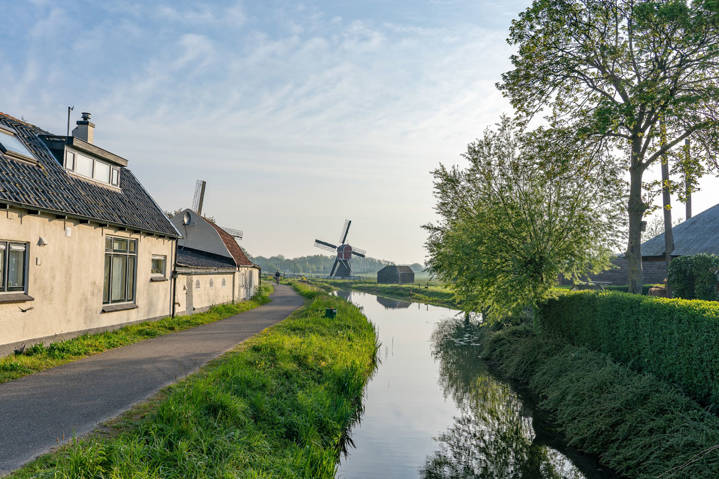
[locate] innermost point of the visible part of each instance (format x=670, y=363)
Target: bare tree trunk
x=636, y=209
x=667, y=207
x=687, y=187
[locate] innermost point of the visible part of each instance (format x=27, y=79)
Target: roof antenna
x=69, y=109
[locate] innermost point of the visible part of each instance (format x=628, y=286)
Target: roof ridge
x=21, y=121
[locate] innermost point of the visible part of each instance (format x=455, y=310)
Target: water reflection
x=492, y=436
x=393, y=303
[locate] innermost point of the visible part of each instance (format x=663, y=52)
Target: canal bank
x=432, y=409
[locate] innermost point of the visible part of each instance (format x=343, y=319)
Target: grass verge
x=39, y=357
x=417, y=293
x=278, y=406
x=634, y=423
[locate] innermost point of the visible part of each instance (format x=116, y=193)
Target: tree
x=529, y=207
x=615, y=68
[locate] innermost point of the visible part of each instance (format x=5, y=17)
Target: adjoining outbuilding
x=395, y=274
x=211, y=267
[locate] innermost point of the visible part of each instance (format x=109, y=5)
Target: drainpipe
x=173, y=296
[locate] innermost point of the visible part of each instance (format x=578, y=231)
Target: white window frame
x=110, y=253
x=162, y=257
x=114, y=173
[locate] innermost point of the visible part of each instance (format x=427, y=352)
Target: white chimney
x=85, y=129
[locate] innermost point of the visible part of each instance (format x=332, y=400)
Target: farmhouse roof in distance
x=698, y=234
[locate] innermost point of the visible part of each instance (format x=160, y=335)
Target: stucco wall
x=211, y=291
x=198, y=292
x=65, y=278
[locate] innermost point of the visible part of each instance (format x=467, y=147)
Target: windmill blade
x=334, y=267
x=345, y=230
x=358, y=252
x=237, y=234
x=199, y=197
x=325, y=245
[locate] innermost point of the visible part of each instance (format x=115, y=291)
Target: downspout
x=174, y=280
x=234, y=275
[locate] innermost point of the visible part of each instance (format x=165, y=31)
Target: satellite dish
x=186, y=218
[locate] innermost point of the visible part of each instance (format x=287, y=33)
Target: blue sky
x=298, y=114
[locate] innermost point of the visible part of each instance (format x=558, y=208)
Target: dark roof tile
x=47, y=186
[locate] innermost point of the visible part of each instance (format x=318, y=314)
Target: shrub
x=694, y=277
x=675, y=339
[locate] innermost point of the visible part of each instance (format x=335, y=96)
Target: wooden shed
x=395, y=274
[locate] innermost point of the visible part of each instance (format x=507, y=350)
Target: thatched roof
x=699, y=234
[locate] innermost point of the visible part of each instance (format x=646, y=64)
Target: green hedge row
x=694, y=277
x=675, y=339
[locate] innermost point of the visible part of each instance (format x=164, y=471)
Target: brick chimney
x=85, y=129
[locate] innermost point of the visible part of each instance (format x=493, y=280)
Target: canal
x=432, y=410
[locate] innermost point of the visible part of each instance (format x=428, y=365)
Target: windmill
x=341, y=267
x=199, y=199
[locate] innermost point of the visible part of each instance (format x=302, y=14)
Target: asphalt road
x=43, y=410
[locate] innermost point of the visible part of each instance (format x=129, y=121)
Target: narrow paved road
x=40, y=411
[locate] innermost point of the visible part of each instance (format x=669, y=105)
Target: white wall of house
x=198, y=291
x=65, y=278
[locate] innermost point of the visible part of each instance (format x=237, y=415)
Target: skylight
x=10, y=143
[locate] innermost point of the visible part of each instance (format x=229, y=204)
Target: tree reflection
x=493, y=436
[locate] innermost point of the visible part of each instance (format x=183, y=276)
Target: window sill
x=15, y=298
x=155, y=279
x=111, y=308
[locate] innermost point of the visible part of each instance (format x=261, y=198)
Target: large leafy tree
x=617, y=68
x=530, y=206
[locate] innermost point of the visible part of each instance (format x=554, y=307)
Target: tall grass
x=635, y=423
x=279, y=406
x=38, y=357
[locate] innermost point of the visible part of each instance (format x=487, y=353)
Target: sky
x=297, y=114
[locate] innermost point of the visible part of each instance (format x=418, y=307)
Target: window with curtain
x=120, y=270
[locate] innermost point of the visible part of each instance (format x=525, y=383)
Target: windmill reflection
x=493, y=436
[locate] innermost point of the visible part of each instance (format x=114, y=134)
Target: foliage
x=38, y=357
x=636, y=424
x=694, y=277
x=674, y=339
x=321, y=264
x=529, y=207
x=614, y=70
x=277, y=407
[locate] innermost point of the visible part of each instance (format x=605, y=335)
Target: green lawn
x=278, y=406
x=39, y=357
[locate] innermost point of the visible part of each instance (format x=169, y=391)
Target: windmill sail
x=325, y=246
x=345, y=231
x=199, y=197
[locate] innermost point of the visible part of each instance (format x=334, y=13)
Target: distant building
x=211, y=267
x=394, y=274
x=698, y=234
x=83, y=246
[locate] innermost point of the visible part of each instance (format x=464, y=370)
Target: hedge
x=674, y=339
x=694, y=277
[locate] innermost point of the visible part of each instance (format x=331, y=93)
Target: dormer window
x=11, y=145
x=92, y=168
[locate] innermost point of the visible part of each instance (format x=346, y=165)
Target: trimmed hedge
x=694, y=277
x=675, y=339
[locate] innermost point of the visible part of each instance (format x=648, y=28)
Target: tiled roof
x=398, y=268
x=698, y=234
x=237, y=253
x=47, y=186
x=193, y=258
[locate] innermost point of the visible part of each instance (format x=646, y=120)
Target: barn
x=395, y=274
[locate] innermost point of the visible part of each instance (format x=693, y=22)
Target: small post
x=69, y=109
